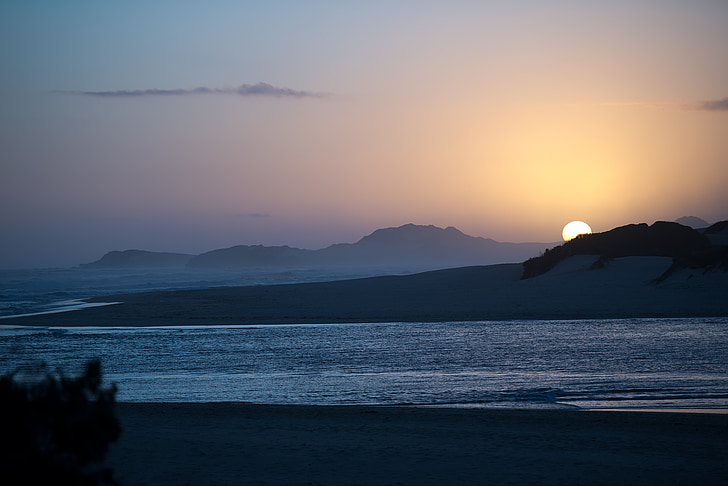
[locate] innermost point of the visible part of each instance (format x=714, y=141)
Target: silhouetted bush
x=56, y=430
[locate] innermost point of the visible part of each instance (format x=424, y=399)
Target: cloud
x=716, y=105
x=642, y=104
x=258, y=89
x=712, y=105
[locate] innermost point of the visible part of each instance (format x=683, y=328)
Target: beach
x=258, y=444
x=227, y=443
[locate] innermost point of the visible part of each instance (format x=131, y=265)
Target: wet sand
x=226, y=444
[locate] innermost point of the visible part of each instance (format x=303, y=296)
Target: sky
x=190, y=126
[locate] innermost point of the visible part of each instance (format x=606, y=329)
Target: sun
x=574, y=229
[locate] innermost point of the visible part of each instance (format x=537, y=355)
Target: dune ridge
x=574, y=289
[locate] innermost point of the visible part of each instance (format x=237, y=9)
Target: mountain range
x=418, y=248
x=414, y=246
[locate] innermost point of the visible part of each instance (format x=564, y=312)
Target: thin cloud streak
x=642, y=104
x=717, y=105
x=258, y=89
x=711, y=105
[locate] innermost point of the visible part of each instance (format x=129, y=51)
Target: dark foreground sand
x=206, y=444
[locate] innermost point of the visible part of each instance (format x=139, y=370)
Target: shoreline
x=72, y=305
x=230, y=443
x=717, y=411
x=475, y=407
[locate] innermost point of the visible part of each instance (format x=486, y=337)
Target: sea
x=645, y=363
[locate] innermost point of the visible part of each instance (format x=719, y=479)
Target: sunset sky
x=189, y=126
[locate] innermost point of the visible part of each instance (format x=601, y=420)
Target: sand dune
x=623, y=288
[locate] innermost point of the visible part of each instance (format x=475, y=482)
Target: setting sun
x=574, y=229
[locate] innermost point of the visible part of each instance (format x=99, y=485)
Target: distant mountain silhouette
x=693, y=221
x=139, y=258
x=431, y=246
x=687, y=247
x=409, y=246
x=245, y=256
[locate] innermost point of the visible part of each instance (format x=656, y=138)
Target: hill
x=139, y=258
x=245, y=256
x=687, y=247
x=427, y=246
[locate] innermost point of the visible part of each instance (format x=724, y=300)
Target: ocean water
x=635, y=363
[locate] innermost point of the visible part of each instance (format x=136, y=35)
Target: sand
x=206, y=444
x=625, y=288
